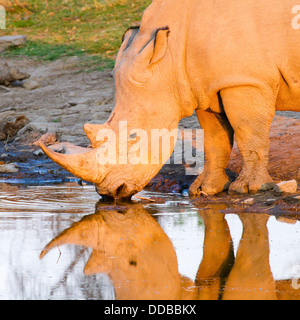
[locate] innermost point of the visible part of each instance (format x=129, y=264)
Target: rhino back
x=233, y=43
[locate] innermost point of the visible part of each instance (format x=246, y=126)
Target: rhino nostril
x=120, y=190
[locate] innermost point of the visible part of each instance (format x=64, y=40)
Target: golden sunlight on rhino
x=222, y=60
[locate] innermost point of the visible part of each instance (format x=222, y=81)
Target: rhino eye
x=132, y=136
x=133, y=263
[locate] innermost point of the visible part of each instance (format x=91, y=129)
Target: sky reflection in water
x=171, y=250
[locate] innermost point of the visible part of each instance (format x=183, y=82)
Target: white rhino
x=233, y=62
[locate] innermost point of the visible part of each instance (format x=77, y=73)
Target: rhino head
x=146, y=99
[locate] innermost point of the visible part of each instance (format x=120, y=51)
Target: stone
x=8, y=74
x=288, y=220
x=11, y=41
x=10, y=129
x=9, y=168
x=30, y=84
x=270, y=201
x=286, y=186
x=39, y=126
x=48, y=138
x=248, y=201
x=38, y=152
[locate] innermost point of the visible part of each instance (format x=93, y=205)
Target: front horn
x=82, y=165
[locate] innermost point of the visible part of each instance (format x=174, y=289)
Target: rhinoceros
x=232, y=62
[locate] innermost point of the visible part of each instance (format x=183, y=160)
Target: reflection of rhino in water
x=233, y=62
x=131, y=247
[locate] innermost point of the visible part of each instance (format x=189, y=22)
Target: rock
x=288, y=220
x=11, y=41
x=38, y=152
x=248, y=201
x=8, y=75
x=286, y=186
x=10, y=129
x=298, y=175
x=40, y=127
x=30, y=84
x=4, y=89
x=270, y=201
x=2, y=135
x=47, y=139
x=8, y=168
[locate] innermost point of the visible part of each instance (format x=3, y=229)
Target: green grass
x=44, y=50
x=57, y=28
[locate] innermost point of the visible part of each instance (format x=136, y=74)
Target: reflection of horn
x=129, y=246
x=83, y=165
x=84, y=232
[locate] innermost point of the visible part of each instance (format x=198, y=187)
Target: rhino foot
x=254, y=184
x=210, y=185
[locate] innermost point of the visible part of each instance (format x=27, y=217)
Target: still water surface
x=166, y=250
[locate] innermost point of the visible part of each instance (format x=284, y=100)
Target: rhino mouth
x=120, y=190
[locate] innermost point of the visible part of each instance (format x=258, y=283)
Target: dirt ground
x=67, y=97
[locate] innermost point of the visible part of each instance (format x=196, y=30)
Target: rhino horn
x=82, y=165
x=92, y=130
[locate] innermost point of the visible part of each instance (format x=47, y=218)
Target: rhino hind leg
x=250, y=112
x=218, y=140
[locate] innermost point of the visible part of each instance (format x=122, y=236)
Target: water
x=165, y=250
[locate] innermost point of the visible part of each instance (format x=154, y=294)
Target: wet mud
x=33, y=169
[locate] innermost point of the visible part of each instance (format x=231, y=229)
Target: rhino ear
x=155, y=50
x=127, y=39
x=130, y=34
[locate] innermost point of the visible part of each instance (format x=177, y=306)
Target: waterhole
x=60, y=242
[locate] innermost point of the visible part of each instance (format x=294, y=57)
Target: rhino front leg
x=218, y=140
x=250, y=111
